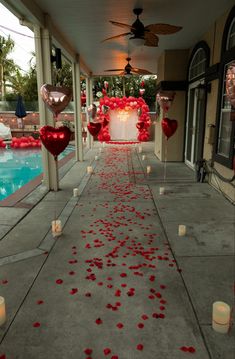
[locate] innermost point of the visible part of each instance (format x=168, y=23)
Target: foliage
x=7, y=65
x=63, y=76
x=132, y=86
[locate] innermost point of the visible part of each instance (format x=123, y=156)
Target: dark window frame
x=226, y=57
x=200, y=45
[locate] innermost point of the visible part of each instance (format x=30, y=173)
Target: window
x=198, y=64
x=224, y=150
x=231, y=37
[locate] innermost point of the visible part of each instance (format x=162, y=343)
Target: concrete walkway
x=119, y=283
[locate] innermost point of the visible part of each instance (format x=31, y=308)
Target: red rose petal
x=155, y=315
x=71, y=272
x=140, y=325
x=88, y=294
x=4, y=281
x=184, y=349
x=99, y=321
x=59, y=281
x=191, y=349
x=3, y=356
x=112, y=357
x=40, y=301
x=144, y=317
x=140, y=347
x=120, y=325
x=36, y=324
x=123, y=275
x=73, y=291
x=107, y=351
x=88, y=351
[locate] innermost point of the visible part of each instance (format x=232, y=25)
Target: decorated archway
x=130, y=114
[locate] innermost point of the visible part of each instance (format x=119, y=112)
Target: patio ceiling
x=85, y=23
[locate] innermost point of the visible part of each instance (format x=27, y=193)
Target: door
x=195, y=124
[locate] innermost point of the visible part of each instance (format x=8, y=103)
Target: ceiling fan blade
x=140, y=71
x=120, y=24
x=114, y=70
x=117, y=36
x=151, y=39
x=163, y=29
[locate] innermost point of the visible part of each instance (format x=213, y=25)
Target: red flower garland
x=124, y=103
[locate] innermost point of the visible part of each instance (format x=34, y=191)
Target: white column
x=77, y=110
x=43, y=63
x=89, y=96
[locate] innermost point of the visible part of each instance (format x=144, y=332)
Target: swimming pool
x=18, y=167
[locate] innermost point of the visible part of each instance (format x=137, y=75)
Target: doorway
x=195, y=123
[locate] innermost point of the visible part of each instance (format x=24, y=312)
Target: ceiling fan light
x=137, y=41
x=128, y=75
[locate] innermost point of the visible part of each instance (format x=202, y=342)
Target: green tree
x=131, y=86
x=7, y=65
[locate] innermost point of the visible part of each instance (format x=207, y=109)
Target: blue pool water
x=18, y=167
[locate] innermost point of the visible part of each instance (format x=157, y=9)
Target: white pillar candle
x=143, y=157
x=2, y=311
x=148, y=169
x=75, y=192
x=56, y=228
x=221, y=314
x=103, y=144
x=181, y=230
x=100, y=149
x=89, y=169
x=96, y=158
x=161, y=190
x=140, y=149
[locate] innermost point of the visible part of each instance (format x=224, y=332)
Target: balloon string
x=165, y=158
x=55, y=191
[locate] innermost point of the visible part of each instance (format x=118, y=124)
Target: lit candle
x=96, y=158
x=75, y=192
x=140, y=149
x=161, y=190
x=89, y=169
x=2, y=311
x=103, y=144
x=221, y=314
x=182, y=230
x=56, y=228
x=143, y=157
x=100, y=149
x=148, y=169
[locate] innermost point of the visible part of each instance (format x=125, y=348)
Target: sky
x=23, y=45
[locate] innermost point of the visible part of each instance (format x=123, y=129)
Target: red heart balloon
x=55, y=139
x=140, y=125
x=56, y=98
x=94, y=128
x=169, y=126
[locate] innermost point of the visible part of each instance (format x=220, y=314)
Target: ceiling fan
x=128, y=70
x=144, y=35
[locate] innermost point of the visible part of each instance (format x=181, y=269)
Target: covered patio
x=145, y=250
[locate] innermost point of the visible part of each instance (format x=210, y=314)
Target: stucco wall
x=213, y=37
x=173, y=67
